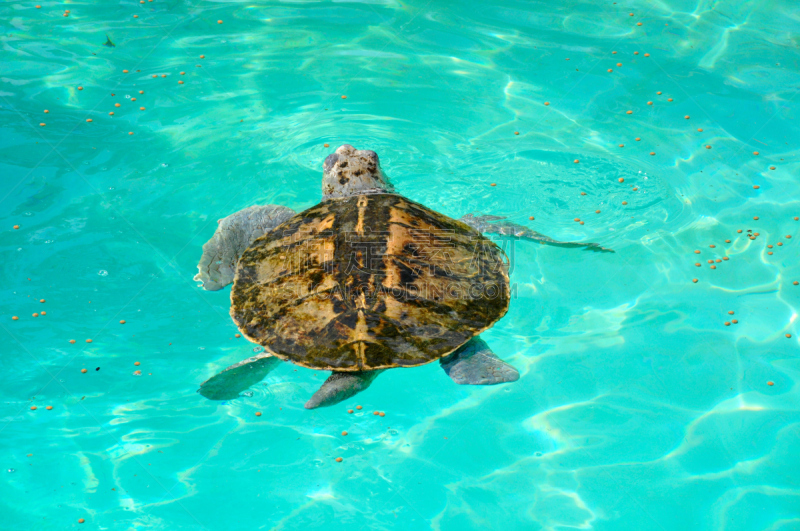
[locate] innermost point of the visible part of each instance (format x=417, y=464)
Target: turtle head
x=349, y=171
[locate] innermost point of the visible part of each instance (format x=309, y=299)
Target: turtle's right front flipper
x=475, y=364
x=238, y=377
x=486, y=225
x=234, y=234
x=341, y=386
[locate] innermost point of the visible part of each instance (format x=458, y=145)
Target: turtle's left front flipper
x=234, y=234
x=506, y=228
x=476, y=364
x=238, y=377
x=341, y=386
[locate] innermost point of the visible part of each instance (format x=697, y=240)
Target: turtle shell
x=368, y=282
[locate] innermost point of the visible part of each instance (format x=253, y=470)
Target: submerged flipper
x=235, y=234
x=476, y=364
x=238, y=377
x=506, y=228
x=341, y=386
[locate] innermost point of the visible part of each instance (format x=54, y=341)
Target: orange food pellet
x=647, y=55
x=577, y=219
x=697, y=251
x=111, y=113
x=88, y=119
x=694, y=280
x=624, y=202
x=713, y=267
x=669, y=99
x=712, y=246
x=88, y=340
x=344, y=97
x=628, y=112
x=137, y=373
x=42, y=124
x=700, y=129
x=72, y=341
x=755, y=152
x=795, y=283
x=344, y=433
x=83, y=371
x=652, y=152
x=770, y=383
x=180, y=82
x=547, y=103
x=659, y=93
x=796, y=218
x=81, y=520
x=727, y=241
x=33, y=408
x=163, y=75
x=382, y=414
x=124, y=71
x=730, y=312
x=772, y=167
x=637, y=139
x=698, y=264
x=219, y=22
x=638, y=23
x=49, y=408
x=358, y=407
x=619, y=64
x=727, y=323
x=137, y=363
x=36, y=315
x=375, y=413
x=141, y=108
x=493, y=184
x=16, y=227
x=788, y=235
x=610, y=70
x=649, y=102
x=755, y=218
x=788, y=335
x=117, y=105
x=258, y=413
x=338, y=459
x=238, y=335
x=756, y=187
x=130, y=133
x=38, y=7
x=621, y=179
x=326, y=145
x=622, y=145
x=576, y=161
x=135, y=16
x=182, y=73
x=516, y=132
x=350, y=411
x=708, y=147
x=583, y=193
x=635, y=53
x=686, y=117
x=734, y=321
x=596, y=211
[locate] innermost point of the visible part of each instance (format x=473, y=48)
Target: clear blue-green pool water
x=638, y=408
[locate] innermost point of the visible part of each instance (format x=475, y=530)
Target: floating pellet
x=516, y=132
x=88, y=340
x=576, y=161
x=84, y=371
x=621, y=179
x=547, y=103
x=72, y=341
x=770, y=383
x=628, y=112
x=258, y=413
x=350, y=411
x=694, y=280
x=338, y=459
x=755, y=153
x=358, y=407
x=344, y=433
x=48, y=408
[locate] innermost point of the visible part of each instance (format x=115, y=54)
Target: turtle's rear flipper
x=341, y=386
x=238, y=377
x=476, y=364
x=234, y=234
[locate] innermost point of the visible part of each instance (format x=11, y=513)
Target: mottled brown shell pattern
x=368, y=282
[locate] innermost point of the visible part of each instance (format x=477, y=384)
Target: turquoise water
x=637, y=407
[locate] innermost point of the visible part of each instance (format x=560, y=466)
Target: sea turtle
x=364, y=281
